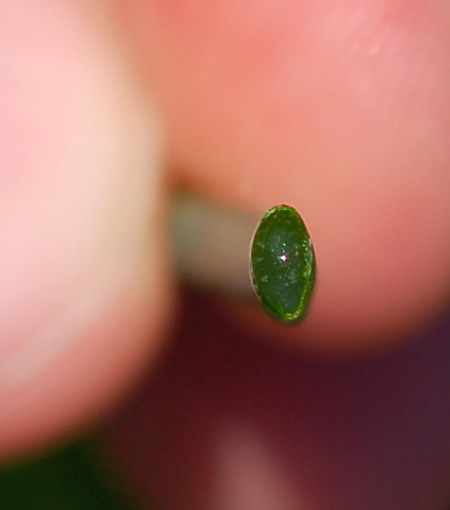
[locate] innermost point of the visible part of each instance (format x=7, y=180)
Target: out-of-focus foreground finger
x=83, y=292
x=340, y=109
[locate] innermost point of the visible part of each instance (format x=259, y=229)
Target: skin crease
x=341, y=109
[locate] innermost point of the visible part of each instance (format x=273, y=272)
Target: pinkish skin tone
x=79, y=192
x=340, y=108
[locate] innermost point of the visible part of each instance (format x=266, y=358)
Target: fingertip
x=340, y=110
x=85, y=274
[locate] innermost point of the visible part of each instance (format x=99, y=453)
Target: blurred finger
x=338, y=109
x=83, y=267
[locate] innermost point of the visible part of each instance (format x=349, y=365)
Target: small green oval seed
x=282, y=264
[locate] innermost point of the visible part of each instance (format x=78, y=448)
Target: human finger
x=339, y=109
x=83, y=268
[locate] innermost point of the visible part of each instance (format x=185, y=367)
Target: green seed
x=282, y=264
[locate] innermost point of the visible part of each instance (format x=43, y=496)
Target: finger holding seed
x=340, y=110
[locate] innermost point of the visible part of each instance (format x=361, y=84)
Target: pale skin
x=339, y=108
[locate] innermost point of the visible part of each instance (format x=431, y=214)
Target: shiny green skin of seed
x=283, y=264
